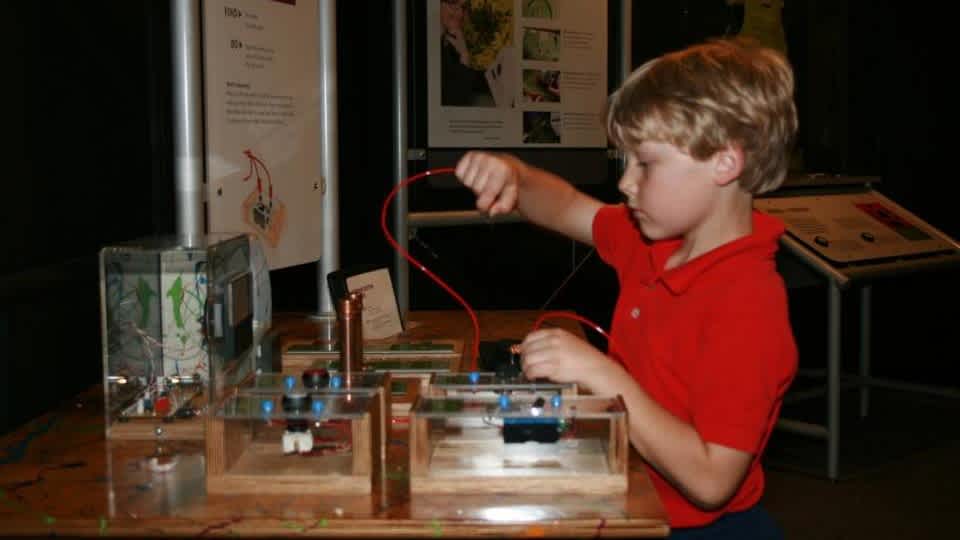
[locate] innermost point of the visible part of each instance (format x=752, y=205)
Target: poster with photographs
x=516, y=73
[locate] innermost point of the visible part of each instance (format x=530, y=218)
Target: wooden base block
x=478, y=462
x=585, y=485
x=263, y=469
x=140, y=429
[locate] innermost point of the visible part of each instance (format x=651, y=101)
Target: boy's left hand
x=560, y=356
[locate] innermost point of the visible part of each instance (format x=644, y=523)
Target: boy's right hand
x=494, y=178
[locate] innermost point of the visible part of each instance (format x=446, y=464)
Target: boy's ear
x=728, y=164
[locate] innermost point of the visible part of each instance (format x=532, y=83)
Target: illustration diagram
x=155, y=323
x=267, y=215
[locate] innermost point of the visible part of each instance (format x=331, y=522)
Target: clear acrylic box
x=325, y=443
x=172, y=318
x=379, y=383
x=519, y=443
x=490, y=384
x=411, y=364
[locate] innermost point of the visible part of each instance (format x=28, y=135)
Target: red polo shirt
x=710, y=341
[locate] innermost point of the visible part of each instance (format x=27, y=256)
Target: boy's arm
x=504, y=183
x=736, y=385
x=707, y=473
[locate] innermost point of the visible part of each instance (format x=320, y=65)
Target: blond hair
x=706, y=97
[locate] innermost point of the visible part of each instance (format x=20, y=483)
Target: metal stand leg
x=833, y=382
x=865, y=293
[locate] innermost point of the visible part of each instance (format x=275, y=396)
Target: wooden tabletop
x=58, y=475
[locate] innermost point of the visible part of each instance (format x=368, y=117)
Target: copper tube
x=350, y=335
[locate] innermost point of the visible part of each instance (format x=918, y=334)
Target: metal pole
x=188, y=144
x=447, y=218
x=626, y=39
x=865, y=308
x=329, y=152
x=803, y=428
x=400, y=154
x=833, y=381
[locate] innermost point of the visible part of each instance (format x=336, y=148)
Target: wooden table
x=59, y=475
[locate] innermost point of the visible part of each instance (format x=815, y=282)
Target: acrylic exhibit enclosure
x=176, y=320
x=411, y=364
x=518, y=444
x=295, y=441
x=322, y=380
x=489, y=384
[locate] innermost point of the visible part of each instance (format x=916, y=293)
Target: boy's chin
x=649, y=231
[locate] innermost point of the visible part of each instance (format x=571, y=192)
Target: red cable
x=424, y=269
x=566, y=315
x=473, y=317
x=254, y=161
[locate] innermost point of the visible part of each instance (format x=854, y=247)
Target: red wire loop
x=614, y=348
x=475, y=352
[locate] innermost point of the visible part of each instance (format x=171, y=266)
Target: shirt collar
x=761, y=244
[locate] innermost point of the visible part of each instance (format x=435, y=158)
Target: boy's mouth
x=635, y=211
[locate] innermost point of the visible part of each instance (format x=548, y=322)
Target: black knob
x=315, y=378
x=295, y=402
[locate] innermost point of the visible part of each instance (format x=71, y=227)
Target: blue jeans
x=752, y=524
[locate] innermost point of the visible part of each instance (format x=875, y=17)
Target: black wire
x=567, y=279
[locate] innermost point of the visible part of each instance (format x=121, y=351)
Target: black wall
x=82, y=171
x=88, y=163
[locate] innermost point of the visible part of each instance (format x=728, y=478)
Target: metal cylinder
x=400, y=120
x=188, y=152
x=329, y=152
x=350, y=335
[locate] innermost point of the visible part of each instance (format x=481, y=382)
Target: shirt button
x=635, y=313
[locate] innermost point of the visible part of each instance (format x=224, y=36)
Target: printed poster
x=516, y=73
x=261, y=64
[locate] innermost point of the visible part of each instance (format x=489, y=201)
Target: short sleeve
x=616, y=237
x=747, y=361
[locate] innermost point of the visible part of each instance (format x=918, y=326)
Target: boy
x=701, y=322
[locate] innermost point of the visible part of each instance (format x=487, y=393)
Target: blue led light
x=266, y=406
x=317, y=407
x=335, y=381
x=504, y=401
x=289, y=382
x=474, y=377
x=556, y=401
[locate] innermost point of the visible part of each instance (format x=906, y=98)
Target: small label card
x=381, y=316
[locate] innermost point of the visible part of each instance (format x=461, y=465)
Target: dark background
x=88, y=163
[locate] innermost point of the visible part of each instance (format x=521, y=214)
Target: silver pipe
x=626, y=39
x=834, y=349
x=329, y=152
x=890, y=384
x=447, y=218
x=817, y=392
x=803, y=428
x=794, y=396
x=865, y=310
x=400, y=155
x=626, y=59
x=188, y=144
